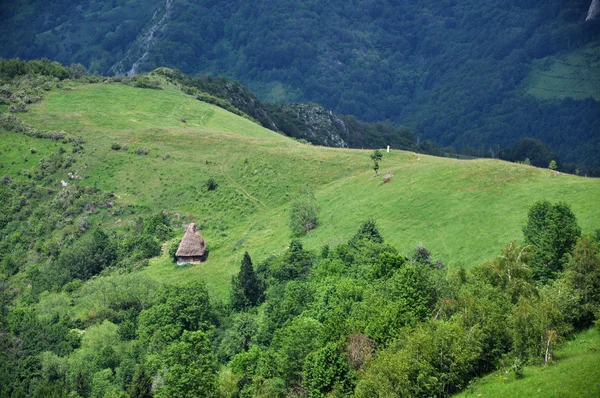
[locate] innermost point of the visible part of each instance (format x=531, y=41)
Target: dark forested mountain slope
x=456, y=71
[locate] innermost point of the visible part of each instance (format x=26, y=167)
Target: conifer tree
x=247, y=288
x=141, y=384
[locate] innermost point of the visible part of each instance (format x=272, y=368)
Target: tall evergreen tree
x=247, y=288
x=141, y=384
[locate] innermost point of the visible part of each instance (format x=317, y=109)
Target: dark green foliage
x=294, y=264
x=144, y=81
x=9, y=265
x=421, y=255
x=326, y=370
x=86, y=258
x=583, y=275
x=436, y=360
x=211, y=184
x=238, y=336
x=291, y=344
x=157, y=225
x=376, y=157
x=379, y=135
x=177, y=308
x=538, y=153
x=145, y=239
x=189, y=368
x=367, y=231
x=401, y=71
x=172, y=249
x=15, y=67
x=283, y=303
x=553, y=231
x=325, y=251
x=141, y=384
x=386, y=265
x=406, y=298
x=247, y=287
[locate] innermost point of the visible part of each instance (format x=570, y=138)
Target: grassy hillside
x=575, y=74
x=575, y=374
x=463, y=211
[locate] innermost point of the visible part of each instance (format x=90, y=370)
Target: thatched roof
x=192, y=244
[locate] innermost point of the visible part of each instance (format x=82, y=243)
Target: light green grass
x=575, y=74
x=463, y=211
x=575, y=373
x=16, y=156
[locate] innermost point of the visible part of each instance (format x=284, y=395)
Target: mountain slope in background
x=455, y=71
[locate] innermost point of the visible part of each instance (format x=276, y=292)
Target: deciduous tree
x=553, y=231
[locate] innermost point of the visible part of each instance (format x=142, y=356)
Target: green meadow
x=575, y=74
x=463, y=211
x=576, y=373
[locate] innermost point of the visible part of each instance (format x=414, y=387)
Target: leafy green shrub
x=517, y=368
x=115, y=146
x=172, y=249
x=12, y=123
x=211, y=184
x=143, y=81
x=303, y=212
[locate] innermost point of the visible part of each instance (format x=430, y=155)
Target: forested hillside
x=464, y=73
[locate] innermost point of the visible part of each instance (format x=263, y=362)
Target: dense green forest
x=79, y=318
x=456, y=71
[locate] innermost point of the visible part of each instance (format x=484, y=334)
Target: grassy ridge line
x=463, y=211
x=576, y=373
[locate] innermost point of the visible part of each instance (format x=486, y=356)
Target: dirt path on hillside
x=235, y=183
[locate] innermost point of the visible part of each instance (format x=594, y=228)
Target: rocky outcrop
x=240, y=97
x=141, y=48
x=313, y=123
x=594, y=10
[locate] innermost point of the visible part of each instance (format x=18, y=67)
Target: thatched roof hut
x=192, y=247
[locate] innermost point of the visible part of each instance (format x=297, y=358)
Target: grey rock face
x=140, y=50
x=594, y=10
x=318, y=125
